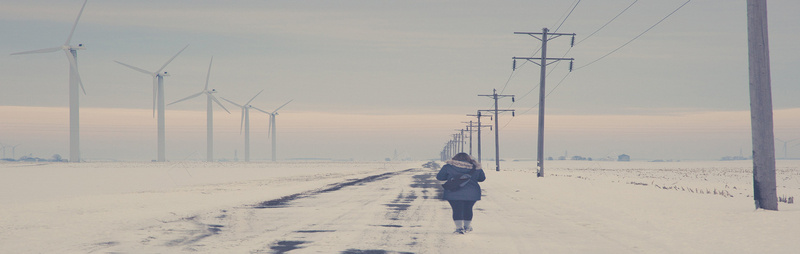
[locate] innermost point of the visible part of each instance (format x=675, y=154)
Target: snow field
x=579, y=207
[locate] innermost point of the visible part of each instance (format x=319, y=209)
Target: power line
x=634, y=38
x=537, y=51
x=565, y=19
x=614, y=18
x=596, y=60
x=548, y=94
x=587, y=37
x=609, y=22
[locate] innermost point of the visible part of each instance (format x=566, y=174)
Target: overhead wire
x=587, y=37
x=565, y=16
x=570, y=13
x=634, y=38
x=564, y=20
x=609, y=22
x=614, y=18
x=607, y=54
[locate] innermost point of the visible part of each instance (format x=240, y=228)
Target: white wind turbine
x=158, y=96
x=14, y=152
x=74, y=83
x=246, y=123
x=209, y=114
x=272, y=131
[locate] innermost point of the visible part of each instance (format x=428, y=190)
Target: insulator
x=512, y=113
x=514, y=67
x=512, y=99
x=572, y=44
x=570, y=66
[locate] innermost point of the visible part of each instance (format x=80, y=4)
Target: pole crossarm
x=499, y=110
x=498, y=95
x=532, y=34
x=547, y=36
x=553, y=60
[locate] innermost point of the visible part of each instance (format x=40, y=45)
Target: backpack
x=455, y=183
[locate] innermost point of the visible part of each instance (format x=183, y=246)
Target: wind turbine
x=209, y=115
x=14, y=151
x=784, y=145
x=246, y=123
x=158, y=96
x=74, y=83
x=272, y=132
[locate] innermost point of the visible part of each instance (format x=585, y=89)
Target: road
x=394, y=212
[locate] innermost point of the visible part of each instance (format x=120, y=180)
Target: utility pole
x=471, y=129
x=543, y=64
x=462, y=140
x=455, y=144
x=764, y=180
x=479, y=131
x=496, y=96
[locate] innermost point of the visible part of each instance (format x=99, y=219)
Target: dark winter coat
x=472, y=190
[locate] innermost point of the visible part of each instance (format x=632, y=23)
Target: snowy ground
x=377, y=207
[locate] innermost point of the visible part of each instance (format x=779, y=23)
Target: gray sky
x=369, y=77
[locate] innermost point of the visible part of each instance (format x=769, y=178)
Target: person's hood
x=464, y=164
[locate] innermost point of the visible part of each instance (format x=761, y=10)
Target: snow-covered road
x=393, y=212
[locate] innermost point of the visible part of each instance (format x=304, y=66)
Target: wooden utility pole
x=479, y=131
x=496, y=96
x=470, y=130
x=764, y=183
x=542, y=92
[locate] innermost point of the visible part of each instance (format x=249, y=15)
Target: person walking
x=467, y=172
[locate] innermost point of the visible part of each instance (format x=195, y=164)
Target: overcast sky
x=369, y=77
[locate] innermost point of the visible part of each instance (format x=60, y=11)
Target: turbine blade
x=209, y=73
x=241, y=124
x=47, y=50
x=73, y=64
x=276, y=110
x=173, y=58
x=254, y=97
x=76, y=23
x=218, y=103
x=189, y=97
x=234, y=103
x=135, y=68
x=265, y=112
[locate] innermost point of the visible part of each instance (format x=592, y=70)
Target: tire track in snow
x=391, y=217
x=283, y=201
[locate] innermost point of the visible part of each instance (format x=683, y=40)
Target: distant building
x=624, y=157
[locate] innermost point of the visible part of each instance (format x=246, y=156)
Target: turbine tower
x=209, y=114
x=272, y=132
x=74, y=84
x=14, y=152
x=245, y=123
x=158, y=96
